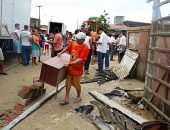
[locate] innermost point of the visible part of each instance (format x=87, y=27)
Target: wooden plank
x=139, y=28
x=156, y=109
x=163, y=18
x=159, y=65
x=157, y=87
x=138, y=118
x=157, y=95
x=163, y=34
x=165, y=50
x=149, y=1
x=158, y=80
x=162, y=3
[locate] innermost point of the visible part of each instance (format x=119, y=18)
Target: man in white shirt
x=101, y=49
x=17, y=42
x=112, y=46
x=122, y=47
x=88, y=42
x=26, y=45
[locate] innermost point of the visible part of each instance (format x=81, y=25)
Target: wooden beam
x=166, y=67
x=149, y=1
x=165, y=50
x=162, y=3
x=156, y=109
x=163, y=18
x=158, y=86
x=138, y=118
x=157, y=95
x=158, y=80
x=163, y=34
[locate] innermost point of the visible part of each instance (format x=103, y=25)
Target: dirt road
x=52, y=116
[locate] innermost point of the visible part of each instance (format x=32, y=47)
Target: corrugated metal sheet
x=121, y=72
x=126, y=64
x=53, y=71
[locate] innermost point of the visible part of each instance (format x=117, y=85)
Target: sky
x=74, y=12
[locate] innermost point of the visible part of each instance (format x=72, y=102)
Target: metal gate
x=157, y=82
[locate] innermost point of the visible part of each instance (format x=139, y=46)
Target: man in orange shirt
x=79, y=53
x=58, y=42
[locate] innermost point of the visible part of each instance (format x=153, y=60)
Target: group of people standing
x=81, y=45
x=26, y=44
x=101, y=46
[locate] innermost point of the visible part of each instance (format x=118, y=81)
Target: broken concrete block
x=36, y=79
x=37, y=85
x=24, y=92
x=136, y=96
x=24, y=102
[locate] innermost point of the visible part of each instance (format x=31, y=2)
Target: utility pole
x=77, y=24
x=39, y=21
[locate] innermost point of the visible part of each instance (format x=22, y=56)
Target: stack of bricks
x=28, y=94
x=25, y=96
x=7, y=117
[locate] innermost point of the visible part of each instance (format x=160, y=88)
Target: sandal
x=77, y=100
x=3, y=73
x=64, y=102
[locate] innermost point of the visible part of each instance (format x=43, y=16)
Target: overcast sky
x=72, y=12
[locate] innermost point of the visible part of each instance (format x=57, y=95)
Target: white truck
x=57, y=25
x=11, y=12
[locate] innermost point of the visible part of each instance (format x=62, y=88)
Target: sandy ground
x=53, y=116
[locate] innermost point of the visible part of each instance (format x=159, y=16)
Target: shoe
x=64, y=102
x=98, y=73
x=107, y=68
x=86, y=72
x=3, y=73
x=77, y=100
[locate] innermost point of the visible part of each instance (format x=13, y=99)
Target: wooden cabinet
x=53, y=71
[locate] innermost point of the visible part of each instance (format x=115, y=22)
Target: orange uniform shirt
x=77, y=51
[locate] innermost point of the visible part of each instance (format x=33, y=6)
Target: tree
x=100, y=22
x=104, y=21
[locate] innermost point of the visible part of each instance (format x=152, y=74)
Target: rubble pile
x=26, y=95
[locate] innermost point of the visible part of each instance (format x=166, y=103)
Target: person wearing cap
x=78, y=53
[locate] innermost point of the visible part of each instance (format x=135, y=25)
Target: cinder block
x=24, y=102
x=37, y=85
x=24, y=92
x=36, y=79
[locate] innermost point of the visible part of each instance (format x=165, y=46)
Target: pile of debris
x=113, y=116
x=30, y=93
x=8, y=116
x=127, y=67
x=25, y=96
